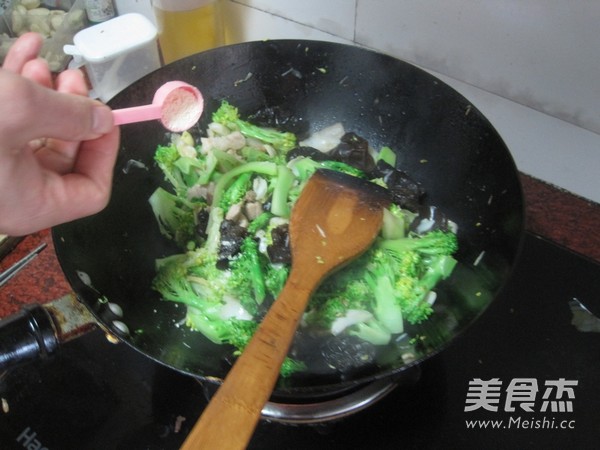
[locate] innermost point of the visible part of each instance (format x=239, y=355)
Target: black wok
x=442, y=140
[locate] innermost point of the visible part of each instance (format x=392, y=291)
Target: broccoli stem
x=283, y=183
x=371, y=331
x=394, y=224
x=433, y=243
x=387, y=310
x=250, y=251
x=284, y=141
x=438, y=268
x=213, y=229
x=206, y=174
x=208, y=326
x=224, y=160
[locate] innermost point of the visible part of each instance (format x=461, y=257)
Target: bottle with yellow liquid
x=186, y=27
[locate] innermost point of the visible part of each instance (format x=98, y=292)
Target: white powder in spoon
x=181, y=110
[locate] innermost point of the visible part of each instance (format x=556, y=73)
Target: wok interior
x=441, y=140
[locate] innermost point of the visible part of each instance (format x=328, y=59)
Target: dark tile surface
x=562, y=217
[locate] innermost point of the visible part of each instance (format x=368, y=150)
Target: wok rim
x=312, y=391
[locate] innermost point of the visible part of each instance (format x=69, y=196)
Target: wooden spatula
x=335, y=219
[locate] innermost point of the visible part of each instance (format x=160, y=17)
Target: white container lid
x=107, y=40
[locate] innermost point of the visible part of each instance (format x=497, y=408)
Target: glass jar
x=186, y=27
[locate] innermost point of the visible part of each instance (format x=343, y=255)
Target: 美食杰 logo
x=532, y=404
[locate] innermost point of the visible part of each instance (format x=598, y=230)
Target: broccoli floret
x=414, y=299
x=247, y=274
x=343, y=291
x=408, y=263
x=171, y=281
x=435, y=242
x=193, y=279
x=291, y=366
x=327, y=312
x=228, y=115
x=176, y=216
x=236, y=191
x=183, y=172
x=275, y=277
x=236, y=333
x=419, y=262
x=391, y=281
x=239, y=333
x=166, y=157
x=261, y=222
x=210, y=325
x=381, y=278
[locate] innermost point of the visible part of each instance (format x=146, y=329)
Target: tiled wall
x=531, y=66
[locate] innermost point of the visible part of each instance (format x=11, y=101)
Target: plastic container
x=116, y=53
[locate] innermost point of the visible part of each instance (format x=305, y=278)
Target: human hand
x=57, y=146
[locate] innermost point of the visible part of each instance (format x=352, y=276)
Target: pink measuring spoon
x=178, y=105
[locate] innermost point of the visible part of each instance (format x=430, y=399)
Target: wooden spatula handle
x=229, y=420
x=335, y=219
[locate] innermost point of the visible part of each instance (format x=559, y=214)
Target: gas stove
x=524, y=376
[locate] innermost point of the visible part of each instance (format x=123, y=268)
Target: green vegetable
x=176, y=216
x=283, y=183
x=247, y=273
x=183, y=172
x=236, y=191
x=374, y=298
x=304, y=167
x=387, y=155
x=193, y=279
x=228, y=115
x=433, y=243
x=392, y=281
x=262, y=167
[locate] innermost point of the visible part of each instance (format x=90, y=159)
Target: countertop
x=555, y=214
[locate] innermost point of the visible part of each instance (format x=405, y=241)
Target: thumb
x=49, y=114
